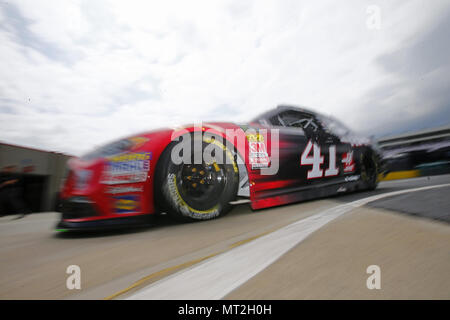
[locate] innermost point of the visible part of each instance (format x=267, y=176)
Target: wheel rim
x=200, y=185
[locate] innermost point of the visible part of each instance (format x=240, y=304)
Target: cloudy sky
x=77, y=73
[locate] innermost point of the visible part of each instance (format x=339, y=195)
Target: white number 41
x=316, y=160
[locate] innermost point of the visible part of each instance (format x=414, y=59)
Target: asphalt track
x=313, y=250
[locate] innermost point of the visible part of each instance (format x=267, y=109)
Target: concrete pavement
x=412, y=252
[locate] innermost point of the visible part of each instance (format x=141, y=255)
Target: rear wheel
x=197, y=190
x=369, y=170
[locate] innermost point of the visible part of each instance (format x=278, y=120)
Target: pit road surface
x=406, y=235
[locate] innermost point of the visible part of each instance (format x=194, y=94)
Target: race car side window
x=296, y=119
x=276, y=121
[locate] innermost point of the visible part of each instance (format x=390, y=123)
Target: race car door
x=319, y=156
x=308, y=160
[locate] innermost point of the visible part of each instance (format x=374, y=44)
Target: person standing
x=11, y=189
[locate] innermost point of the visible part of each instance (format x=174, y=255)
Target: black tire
x=193, y=192
x=369, y=170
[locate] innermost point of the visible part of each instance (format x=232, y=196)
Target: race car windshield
x=109, y=150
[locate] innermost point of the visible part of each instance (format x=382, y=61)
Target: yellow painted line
x=183, y=265
x=407, y=174
x=240, y=243
x=160, y=273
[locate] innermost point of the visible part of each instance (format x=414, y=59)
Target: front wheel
x=198, y=190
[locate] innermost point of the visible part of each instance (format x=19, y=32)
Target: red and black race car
x=198, y=172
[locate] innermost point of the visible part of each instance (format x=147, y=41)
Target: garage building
x=42, y=173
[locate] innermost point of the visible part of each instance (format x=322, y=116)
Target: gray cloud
x=424, y=55
x=421, y=67
x=18, y=26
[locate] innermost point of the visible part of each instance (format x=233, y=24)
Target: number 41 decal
x=316, y=160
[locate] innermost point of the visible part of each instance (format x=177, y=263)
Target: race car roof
x=281, y=108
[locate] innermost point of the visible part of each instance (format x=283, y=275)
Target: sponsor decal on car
x=135, y=156
x=347, y=160
x=117, y=190
x=258, y=157
x=258, y=162
x=127, y=168
x=352, y=178
x=126, y=204
x=255, y=137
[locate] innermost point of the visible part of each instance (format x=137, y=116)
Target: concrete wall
x=35, y=162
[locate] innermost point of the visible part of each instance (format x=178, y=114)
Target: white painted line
x=240, y=201
x=218, y=276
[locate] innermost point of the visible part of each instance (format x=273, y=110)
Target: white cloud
x=78, y=73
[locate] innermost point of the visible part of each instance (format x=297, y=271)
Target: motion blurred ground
x=412, y=250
